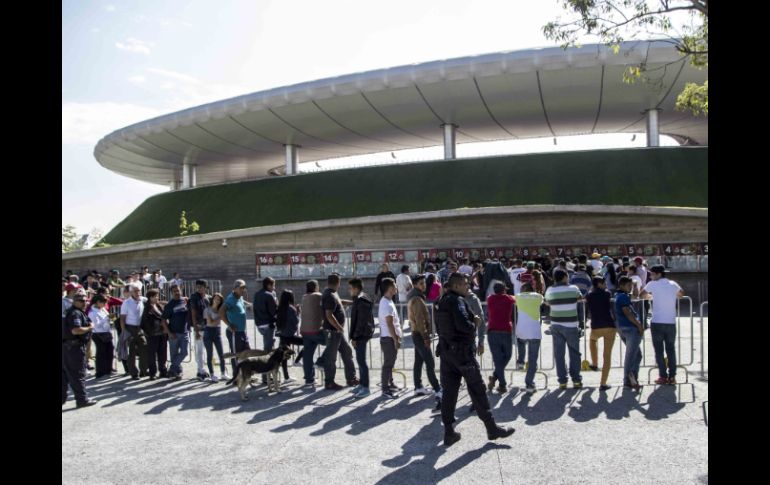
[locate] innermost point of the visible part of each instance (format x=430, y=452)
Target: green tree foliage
x=186, y=228
x=70, y=240
x=615, y=21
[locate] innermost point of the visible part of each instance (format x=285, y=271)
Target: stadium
x=234, y=167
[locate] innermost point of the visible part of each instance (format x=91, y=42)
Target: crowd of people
x=444, y=299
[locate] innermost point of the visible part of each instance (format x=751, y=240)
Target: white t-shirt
x=638, y=282
x=515, y=273
x=642, y=272
x=161, y=280
x=176, y=281
x=528, y=313
x=100, y=319
x=387, y=307
x=597, y=265
x=664, y=297
x=133, y=309
x=403, y=285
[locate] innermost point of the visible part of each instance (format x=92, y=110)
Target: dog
x=245, y=354
x=261, y=364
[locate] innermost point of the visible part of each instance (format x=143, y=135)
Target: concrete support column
x=653, y=129
x=449, y=141
x=292, y=160
x=188, y=175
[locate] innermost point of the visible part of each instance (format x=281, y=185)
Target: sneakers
x=577, y=385
x=356, y=389
x=594, y=368
x=496, y=432
x=225, y=376
x=531, y=389
x=394, y=387
x=388, y=395
x=502, y=389
x=362, y=392
x=563, y=386
x=354, y=382
x=201, y=377
x=309, y=384
x=214, y=378
x=661, y=381
x=451, y=437
x=333, y=387
x=604, y=387
x=491, y=383
x=289, y=380
x=421, y=391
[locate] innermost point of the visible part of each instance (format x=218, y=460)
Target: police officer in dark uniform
x=456, y=348
x=76, y=327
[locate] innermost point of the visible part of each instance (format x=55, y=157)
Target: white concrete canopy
x=508, y=95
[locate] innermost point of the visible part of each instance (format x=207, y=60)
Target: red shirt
x=500, y=307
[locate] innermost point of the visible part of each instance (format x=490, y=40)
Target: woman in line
x=288, y=326
x=212, y=336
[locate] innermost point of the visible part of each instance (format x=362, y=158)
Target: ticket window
x=344, y=266
x=372, y=268
x=704, y=263
x=277, y=271
x=682, y=263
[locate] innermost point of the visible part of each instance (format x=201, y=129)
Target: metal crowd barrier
x=702, y=341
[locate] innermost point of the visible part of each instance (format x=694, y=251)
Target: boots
x=494, y=431
x=450, y=436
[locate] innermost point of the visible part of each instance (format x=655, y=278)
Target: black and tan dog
x=261, y=364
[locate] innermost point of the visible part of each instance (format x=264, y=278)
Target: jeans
x=200, y=355
x=534, y=352
x=212, y=338
x=179, y=345
x=335, y=342
x=608, y=334
x=389, y=352
x=362, y=345
x=289, y=340
x=501, y=347
x=309, y=344
x=268, y=335
x=137, y=348
x=238, y=342
x=633, y=358
x=424, y=355
x=664, y=334
x=566, y=338
x=521, y=348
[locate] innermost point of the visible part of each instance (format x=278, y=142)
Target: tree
x=184, y=227
x=614, y=21
x=70, y=240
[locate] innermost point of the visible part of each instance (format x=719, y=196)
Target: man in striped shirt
x=562, y=298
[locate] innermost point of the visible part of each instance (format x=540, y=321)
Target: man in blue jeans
x=665, y=293
x=233, y=313
x=631, y=333
x=311, y=318
x=420, y=323
x=562, y=299
x=176, y=324
x=361, y=330
x=266, y=314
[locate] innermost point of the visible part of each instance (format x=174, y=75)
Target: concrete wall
x=204, y=256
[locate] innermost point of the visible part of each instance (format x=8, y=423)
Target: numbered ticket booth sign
x=494, y=253
x=412, y=258
x=633, y=250
x=273, y=265
x=368, y=262
x=307, y=265
x=460, y=254
x=341, y=263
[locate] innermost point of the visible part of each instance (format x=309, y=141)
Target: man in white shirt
x=131, y=320
x=403, y=284
x=161, y=279
x=390, y=336
x=664, y=293
x=465, y=268
x=596, y=262
x=516, y=271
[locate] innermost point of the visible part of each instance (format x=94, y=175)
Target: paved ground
x=194, y=432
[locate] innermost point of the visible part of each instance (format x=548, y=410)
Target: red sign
x=461, y=253
x=440, y=253
x=330, y=258
x=493, y=253
x=362, y=256
x=523, y=252
x=424, y=254
x=560, y=251
x=394, y=256
x=272, y=259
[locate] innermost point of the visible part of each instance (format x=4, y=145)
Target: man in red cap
x=66, y=301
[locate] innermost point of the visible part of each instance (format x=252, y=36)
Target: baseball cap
x=595, y=255
x=530, y=264
x=638, y=259
x=606, y=258
x=71, y=287
x=658, y=268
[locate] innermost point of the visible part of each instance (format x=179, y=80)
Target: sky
x=128, y=61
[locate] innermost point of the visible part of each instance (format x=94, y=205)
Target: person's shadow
x=428, y=443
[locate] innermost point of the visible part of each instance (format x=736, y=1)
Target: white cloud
x=110, y=8
x=135, y=45
x=96, y=30
x=137, y=79
x=87, y=123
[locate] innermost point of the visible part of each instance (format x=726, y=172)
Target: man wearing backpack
x=361, y=330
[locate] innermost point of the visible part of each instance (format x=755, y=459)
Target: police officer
x=76, y=327
x=456, y=348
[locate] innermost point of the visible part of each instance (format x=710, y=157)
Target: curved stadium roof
x=507, y=95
